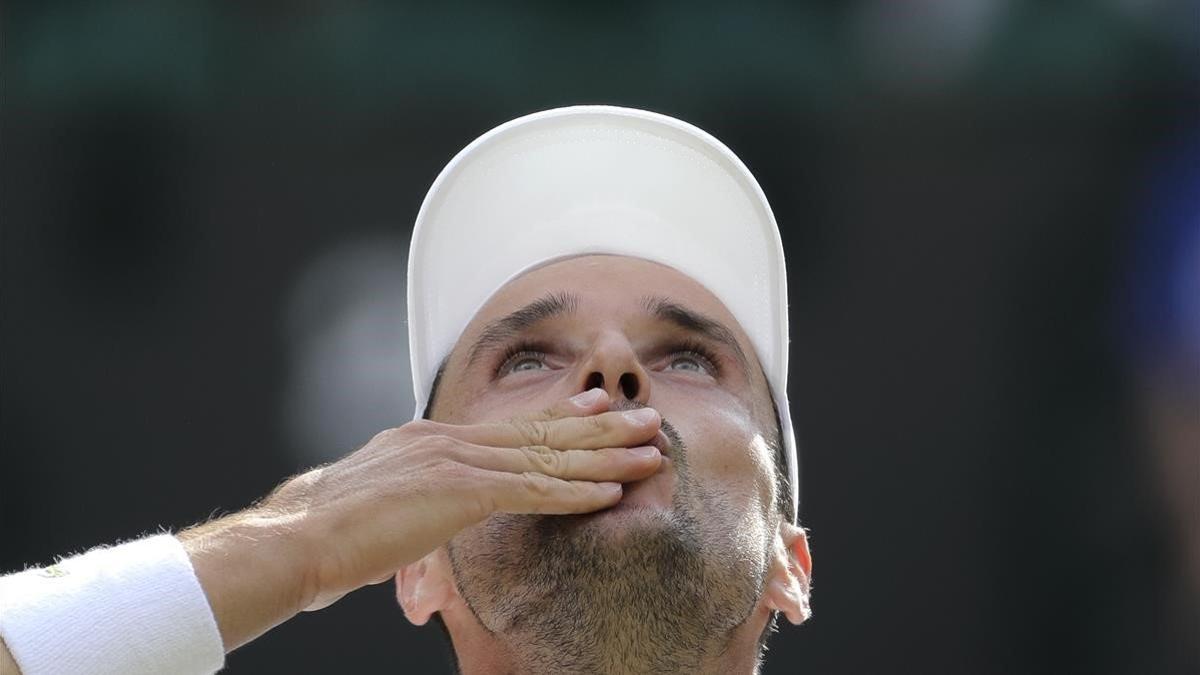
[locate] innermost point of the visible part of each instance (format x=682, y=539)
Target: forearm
x=252, y=567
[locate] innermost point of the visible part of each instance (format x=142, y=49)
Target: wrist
x=254, y=569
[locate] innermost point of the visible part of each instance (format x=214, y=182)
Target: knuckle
x=470, y=487
x=534, y=433
x=387, y=437
x=481, y=504
x=457, y=472
x=598, y=424
x=448, y=477
x=424, y=428
x=537, y=485
x=443, y=446
x=543, y=459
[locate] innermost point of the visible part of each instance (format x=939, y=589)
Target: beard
x=658, y=591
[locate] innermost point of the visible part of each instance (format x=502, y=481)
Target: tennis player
x=601, y=476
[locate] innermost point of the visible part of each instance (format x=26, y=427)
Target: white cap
x=597, y=179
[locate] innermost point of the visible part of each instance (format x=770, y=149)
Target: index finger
x=614, y=429
x=590, y=402
x=581, y=422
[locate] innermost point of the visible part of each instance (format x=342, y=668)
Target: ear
x=425, y=587
x=789, y=579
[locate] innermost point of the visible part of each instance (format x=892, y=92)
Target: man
x=605, y=478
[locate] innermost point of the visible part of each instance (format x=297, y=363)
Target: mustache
x=674, y=440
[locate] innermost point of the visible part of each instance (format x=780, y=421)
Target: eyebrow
x=558, y=304
x=692, y=321
x=501, y=330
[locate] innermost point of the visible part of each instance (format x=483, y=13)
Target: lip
x=654, y=491
x=661, y=442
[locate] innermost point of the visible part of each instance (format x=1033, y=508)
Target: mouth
x=661, y=442
x=655, y=491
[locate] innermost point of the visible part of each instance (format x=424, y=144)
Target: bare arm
x=355, y=522
x=251, y=568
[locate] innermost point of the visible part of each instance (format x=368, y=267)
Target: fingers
x=607, y=464
x=569, y=458
x=614, y=429
x=539, y=493
x=590, y=402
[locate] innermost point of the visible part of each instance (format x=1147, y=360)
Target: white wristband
x=132, y=608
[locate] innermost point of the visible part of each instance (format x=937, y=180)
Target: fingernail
x=641, y=415
x=644, y=451
x=612, y=488
x=588, y=397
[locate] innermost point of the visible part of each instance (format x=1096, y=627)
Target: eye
x=693, y=357
x=688, y=362
x=526, y=362
x=522, y=357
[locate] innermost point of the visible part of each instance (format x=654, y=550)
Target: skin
x=551, y=439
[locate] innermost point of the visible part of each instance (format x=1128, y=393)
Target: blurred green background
x=989, y=211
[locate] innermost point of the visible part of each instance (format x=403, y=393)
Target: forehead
x=605, y=285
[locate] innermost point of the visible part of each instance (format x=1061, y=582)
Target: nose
x=613, y=365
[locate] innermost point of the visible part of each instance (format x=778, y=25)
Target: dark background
x=205, y=217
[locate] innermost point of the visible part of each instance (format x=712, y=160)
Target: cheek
x=472, y=397
x=727, y=454
x=504, y=403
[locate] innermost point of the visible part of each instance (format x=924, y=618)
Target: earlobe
x=425, y=586
x=788, y=584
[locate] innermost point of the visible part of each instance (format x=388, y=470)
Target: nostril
x=629, y=385
x=595, y=380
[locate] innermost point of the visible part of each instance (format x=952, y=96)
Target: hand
x=409, y=490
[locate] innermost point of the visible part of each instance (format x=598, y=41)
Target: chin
x=647, y=506
x=622, y=525
x=632, y=513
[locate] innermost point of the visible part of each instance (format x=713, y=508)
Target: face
x=685, y=553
